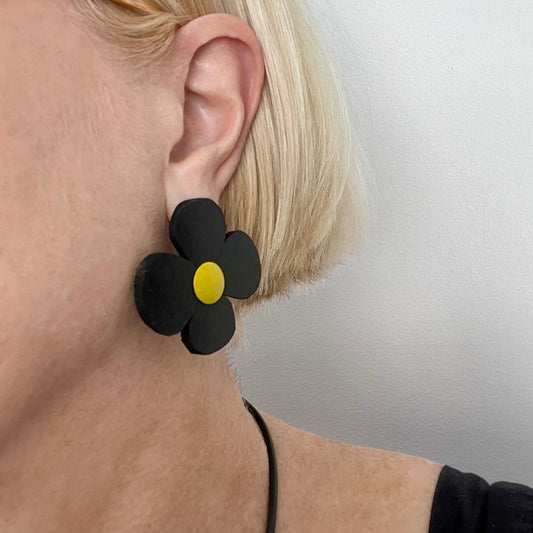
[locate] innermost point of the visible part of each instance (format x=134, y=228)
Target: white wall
x=423, y=344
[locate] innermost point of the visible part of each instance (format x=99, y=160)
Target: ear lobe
x=221, y=95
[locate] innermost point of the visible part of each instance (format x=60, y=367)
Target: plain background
x=423, y=343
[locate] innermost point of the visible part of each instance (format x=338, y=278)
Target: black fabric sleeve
x=466, y=503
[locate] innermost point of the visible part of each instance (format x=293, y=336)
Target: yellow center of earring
x=209, y=283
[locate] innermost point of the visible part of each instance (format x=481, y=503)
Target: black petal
x=197, y=230
x=239, y=260
x=210, y=328
x=164, y=292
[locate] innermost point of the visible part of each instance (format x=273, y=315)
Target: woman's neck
x=146, y=437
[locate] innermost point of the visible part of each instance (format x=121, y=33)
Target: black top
x=466, y=503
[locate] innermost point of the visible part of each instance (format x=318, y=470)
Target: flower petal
x=197, y=230
x=210, y=328
x=239, y=260
x=164, y=293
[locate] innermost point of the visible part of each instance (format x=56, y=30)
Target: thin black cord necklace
x=272, y=467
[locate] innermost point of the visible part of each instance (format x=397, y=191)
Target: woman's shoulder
x=330, y=486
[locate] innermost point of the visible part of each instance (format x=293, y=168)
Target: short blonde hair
x=298, y=190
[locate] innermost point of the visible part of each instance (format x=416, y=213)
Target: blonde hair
x=298, y=190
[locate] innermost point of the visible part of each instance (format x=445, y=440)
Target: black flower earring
x=188, y=293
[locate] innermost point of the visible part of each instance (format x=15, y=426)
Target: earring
x=188, y=293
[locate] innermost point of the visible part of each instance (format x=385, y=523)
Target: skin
x=106, y=426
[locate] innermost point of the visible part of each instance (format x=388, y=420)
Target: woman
x=115, y=116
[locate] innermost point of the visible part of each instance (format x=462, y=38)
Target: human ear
x=224, y=65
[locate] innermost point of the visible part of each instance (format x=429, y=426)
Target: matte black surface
x=240, y=263
x=164, y=291
x=466, y=503
x=197, y=230
x=164, y=294
x=210, y=328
